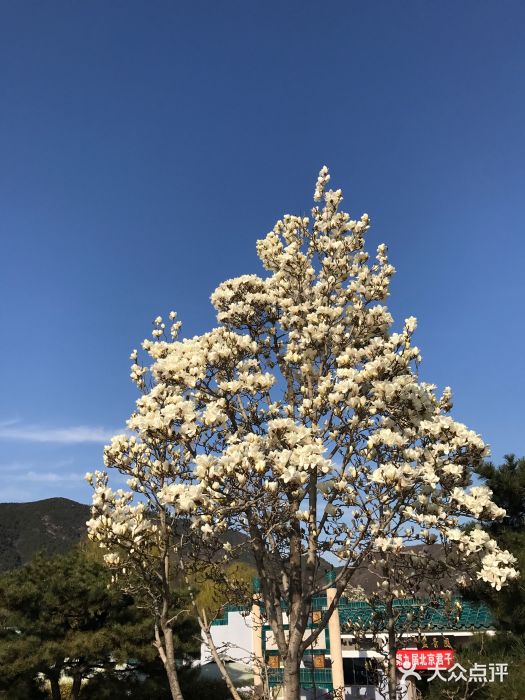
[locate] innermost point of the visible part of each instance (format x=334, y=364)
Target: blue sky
x=144, y=147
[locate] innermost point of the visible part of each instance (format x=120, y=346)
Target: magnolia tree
x=147, y=543
x=300, y=422
x=142, y=539
x=410, y=584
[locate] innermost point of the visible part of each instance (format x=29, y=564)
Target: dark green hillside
x=52, y=525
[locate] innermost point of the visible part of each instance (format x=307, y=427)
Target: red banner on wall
x=424, y=659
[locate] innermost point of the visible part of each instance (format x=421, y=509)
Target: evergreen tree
x=507, y=483
x=59, y=616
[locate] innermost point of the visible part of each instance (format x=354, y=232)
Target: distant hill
x=52, y=525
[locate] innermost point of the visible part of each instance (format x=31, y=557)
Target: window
x=273, y=660
x=360, y=671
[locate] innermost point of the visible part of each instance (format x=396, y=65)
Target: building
x=346, y=653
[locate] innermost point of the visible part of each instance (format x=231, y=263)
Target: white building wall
x=233, y=641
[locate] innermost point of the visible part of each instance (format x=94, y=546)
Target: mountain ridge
x=55, y=525
x=51, y=525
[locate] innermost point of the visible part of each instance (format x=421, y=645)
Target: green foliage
x=140, y=681
x=194, y=688
x=507, y=483
x=215, y=586
x=148, y=681
x=24, y=689
x=58, y=614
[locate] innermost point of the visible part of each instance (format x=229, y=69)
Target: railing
x=309, y=678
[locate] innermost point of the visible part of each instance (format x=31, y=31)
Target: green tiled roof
x=356, y=614
x=469, y=616
x=223, y=620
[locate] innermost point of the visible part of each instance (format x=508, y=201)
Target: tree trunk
x=173, y=680
x=77, y=684
x=168, y=658
x=292, y=678
x=203, y=622
x=55, y=687
x=392, y=668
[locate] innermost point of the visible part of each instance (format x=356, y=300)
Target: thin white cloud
x=8, y=423
x=16, y=494
x=50, y=477
x=22, y=467
x=12, y=430
x=8, y=467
